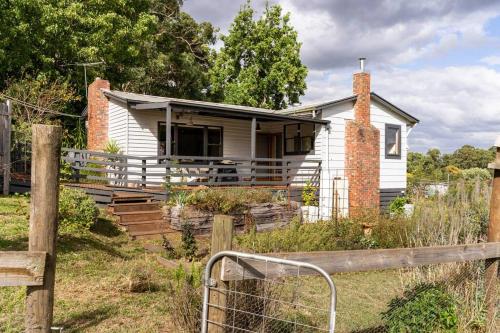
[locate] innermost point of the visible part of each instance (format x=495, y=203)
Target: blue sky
x=437, y=60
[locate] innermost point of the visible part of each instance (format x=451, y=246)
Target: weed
x=189, y=245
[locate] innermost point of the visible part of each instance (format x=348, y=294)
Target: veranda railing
x=154, y=171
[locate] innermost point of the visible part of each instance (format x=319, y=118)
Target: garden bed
x=264, y=216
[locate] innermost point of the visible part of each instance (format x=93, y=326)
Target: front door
x=269, y=145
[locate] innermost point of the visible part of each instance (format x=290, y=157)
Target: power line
x=44, y=110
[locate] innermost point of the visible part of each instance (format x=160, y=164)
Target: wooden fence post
x=491, y=278
x=46, y=153
x=222, y=238
x=7, y=130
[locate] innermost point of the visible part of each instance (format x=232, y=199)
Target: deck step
x=146, y=227
x=133, y=207
x=150, y=233
x=140, y=216
x=125, y=224
x=131, y=197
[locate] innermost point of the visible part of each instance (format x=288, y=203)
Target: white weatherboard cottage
x=138, y=124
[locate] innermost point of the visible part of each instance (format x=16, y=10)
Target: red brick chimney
x=97, y=127
x=362, y=143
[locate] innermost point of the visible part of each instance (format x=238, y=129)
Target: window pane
x=307, y=145
x=291, y=130
x=190, y=141
x=214, y=151
x=392, y=138
x=214, y=136
x=306, y=130
x=289, y=145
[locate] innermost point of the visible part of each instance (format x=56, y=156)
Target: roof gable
x=322, y=105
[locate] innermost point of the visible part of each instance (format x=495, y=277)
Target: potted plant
x=310, y=209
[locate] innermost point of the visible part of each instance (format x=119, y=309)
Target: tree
x=259, y=64
x=468, y=157
x=35, y=100
x=148, y=46
x=436, y=166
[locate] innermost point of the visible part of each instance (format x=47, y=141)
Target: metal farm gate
x=246, y=300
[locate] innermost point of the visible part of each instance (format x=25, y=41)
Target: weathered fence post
x=222, y=238
x=491, y=277
x=7, y=130
x=46, y=152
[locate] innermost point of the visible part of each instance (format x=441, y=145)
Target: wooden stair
x=138, y=214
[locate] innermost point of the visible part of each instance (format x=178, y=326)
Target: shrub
x=185, y=298
x=309, y=195
x=225, y=200
x=397, y=206
x=189, y=246
x=425, y=308
x=77, y=211
x=476, y=173
x=112, y=147
x=320, y=236
x=140, y=279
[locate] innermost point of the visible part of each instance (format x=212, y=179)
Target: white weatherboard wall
x=334, y=186
x=392, y=171
x=117, y=124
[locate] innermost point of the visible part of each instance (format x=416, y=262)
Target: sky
x=437, y=60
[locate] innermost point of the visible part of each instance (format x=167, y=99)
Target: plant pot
x=310, y=214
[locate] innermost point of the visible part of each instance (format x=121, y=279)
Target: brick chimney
x=97, y=127
x=362, y=143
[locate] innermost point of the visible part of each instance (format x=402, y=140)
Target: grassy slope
x=93, y=272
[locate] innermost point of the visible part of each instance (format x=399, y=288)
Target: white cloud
x=491, y=60
x=455, y=105
x=336, y=33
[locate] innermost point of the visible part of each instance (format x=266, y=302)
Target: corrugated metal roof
x=141, y=101
x=133, y=97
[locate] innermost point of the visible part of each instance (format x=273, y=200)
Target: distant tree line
x=466, y=162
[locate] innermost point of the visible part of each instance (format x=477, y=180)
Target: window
x=299, y=139
x=191, y=140
x=393, y=141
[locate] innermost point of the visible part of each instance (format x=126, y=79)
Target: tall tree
x=259, y=64
x=148, y=46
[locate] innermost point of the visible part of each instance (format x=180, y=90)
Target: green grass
x=92, y=276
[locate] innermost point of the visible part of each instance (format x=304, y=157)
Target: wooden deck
x=103, y=194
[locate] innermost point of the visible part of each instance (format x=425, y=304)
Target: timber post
x=7, y=130
x=46, y=153
x=222, y=239
x=491, y=278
